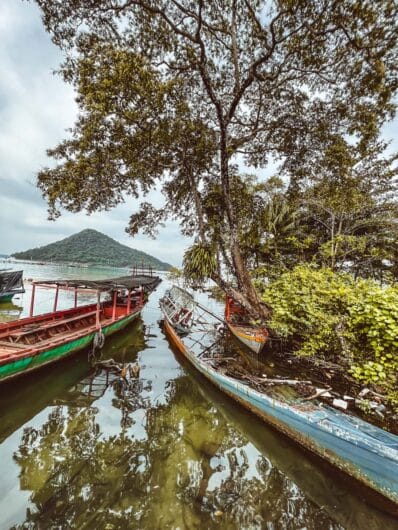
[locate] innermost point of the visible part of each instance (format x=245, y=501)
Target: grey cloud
x=35, y=109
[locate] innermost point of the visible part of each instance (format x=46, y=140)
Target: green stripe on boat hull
x=21, y=366
x=6, y=298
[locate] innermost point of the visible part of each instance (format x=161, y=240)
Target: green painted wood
x=6, y=298
x=18, y=367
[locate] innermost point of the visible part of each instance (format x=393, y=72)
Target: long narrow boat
x=321, y=486
x=30, y=343
x=11, y=283
x=367, y=454
x=252, y=336
x=178, y=306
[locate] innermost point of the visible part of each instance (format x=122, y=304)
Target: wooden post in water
x=128, y=301
x=75, y=297
x=114, y=306
x=32, y=300
x=56, y=299
x=142, y=296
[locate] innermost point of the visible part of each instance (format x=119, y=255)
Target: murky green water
x=77, y=451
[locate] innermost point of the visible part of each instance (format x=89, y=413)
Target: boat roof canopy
x=11, y=282
x=111, y=284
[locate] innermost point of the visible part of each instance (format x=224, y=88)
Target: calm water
x=76, y=451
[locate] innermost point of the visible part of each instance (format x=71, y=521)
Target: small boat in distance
x=363, y=452
x=11, y=283
x=30, y=343
x=238, y=322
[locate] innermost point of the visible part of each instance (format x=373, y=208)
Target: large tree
x=340, y=210
x=176, y=93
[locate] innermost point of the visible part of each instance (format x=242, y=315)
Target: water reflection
x=167, y=451
x=179, y=464
x=22, y=399
x=305, y=479
x=10, y=311
x=188, y=468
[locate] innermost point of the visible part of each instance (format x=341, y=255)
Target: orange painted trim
x=259, y=337
x=175, y=339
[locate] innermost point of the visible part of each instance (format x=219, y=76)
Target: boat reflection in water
x=319, y=484
x=366, y=454
x=22, y=399
x=166, y=451
x=9, y=311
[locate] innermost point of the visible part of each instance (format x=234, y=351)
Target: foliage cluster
x=90, y=246
x=173, y=96
x=199, y=263
x=332, y=315
x=348, y=222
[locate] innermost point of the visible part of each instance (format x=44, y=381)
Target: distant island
x=91, y=246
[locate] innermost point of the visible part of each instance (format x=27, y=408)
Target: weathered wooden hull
x=180, y=329
x=364, y=452
x=57, y=352
x=254, y=344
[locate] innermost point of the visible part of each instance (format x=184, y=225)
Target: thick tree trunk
x=247, y=294
x=241, y=298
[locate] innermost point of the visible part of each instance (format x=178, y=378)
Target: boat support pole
x=209, y=312
x=56, y=299
x=75, y=297
x=32, y=300
x=227, y=308
x=114, y=306
x=128, y=301
x=97, y=315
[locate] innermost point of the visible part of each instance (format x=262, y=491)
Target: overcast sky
x=35, y=109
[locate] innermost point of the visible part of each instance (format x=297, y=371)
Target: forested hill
x=90, y=246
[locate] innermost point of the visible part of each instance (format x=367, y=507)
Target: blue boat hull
x=362, y=451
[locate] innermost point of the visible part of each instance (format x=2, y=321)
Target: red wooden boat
x=254, y=337
x=30, y=343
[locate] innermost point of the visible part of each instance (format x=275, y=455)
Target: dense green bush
x=353, y=322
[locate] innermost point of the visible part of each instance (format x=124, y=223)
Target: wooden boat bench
x=17, y=335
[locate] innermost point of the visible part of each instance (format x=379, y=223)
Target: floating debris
x=135, y=370
x=340, y=404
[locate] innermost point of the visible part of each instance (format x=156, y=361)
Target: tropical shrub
x=330, y=315
x=373, y=321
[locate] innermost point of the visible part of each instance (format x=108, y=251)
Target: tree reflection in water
x=175, y=462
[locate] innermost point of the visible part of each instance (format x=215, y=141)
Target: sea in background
x=20, y=304
x=79, y=451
